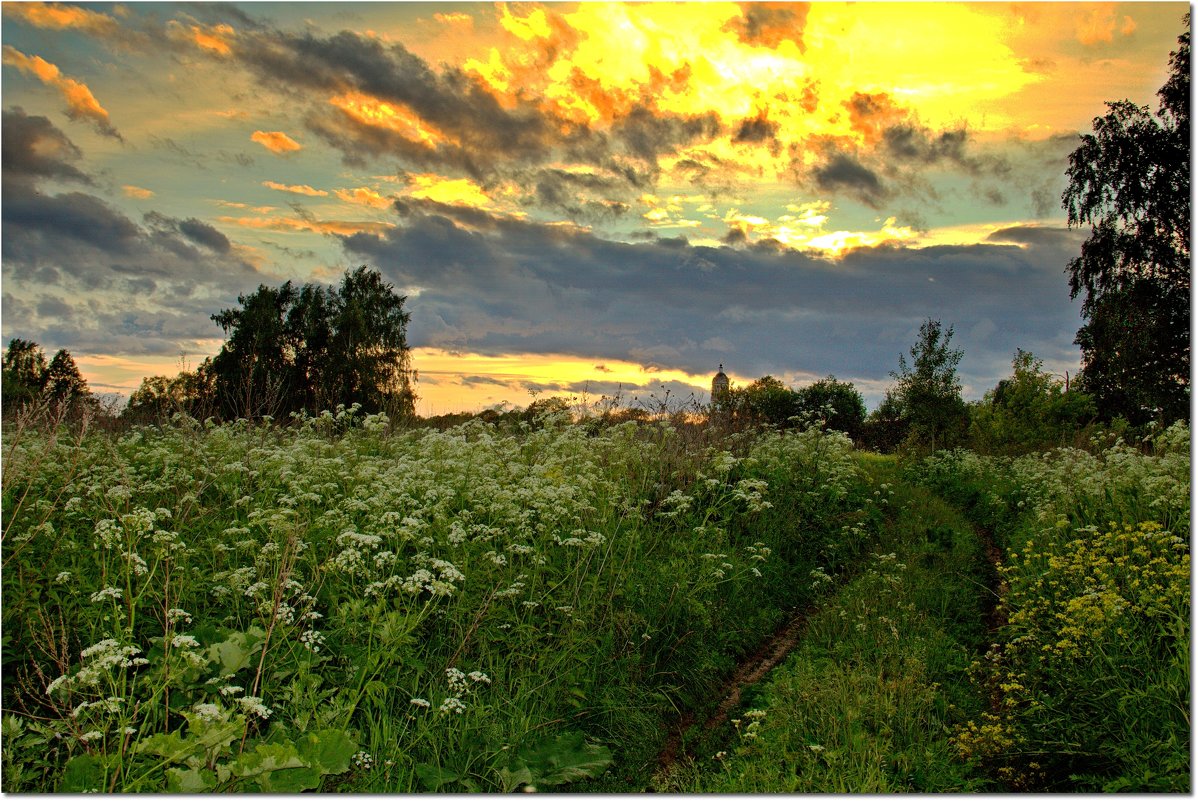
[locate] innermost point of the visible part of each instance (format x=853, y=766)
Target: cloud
x=59, y=16
x=1098, y=24
x=81, y=104
x=364, y=196
x=276, y=142
x=454, y=19
x=311, y=224
x=496, y=284
x=78, y=273
x=213, y=39
x=844, y=173
x=770, y=24
x=137, y=192
x=33, y=149
x=295, y=189
x=203, y=234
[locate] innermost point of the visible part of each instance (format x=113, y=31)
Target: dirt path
x=752, y=670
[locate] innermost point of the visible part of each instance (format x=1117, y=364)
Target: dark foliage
x=1130, y=181
x=928, y=393
x=313, y=348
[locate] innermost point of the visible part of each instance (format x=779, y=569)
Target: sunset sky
x=574, y=197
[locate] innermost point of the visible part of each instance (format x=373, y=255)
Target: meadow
x=345, y=605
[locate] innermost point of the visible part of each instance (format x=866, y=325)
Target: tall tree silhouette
x=315, y=347
x=1129, y=181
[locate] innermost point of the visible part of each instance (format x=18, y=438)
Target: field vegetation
x=330, y=604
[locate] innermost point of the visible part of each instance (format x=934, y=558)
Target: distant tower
x=719, y=389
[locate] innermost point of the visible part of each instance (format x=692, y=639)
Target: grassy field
x=332, y=605
x=341, y=606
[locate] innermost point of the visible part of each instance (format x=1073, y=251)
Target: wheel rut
x=752, y=670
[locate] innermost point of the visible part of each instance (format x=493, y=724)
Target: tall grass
x=334, y=605
x=866, y=702
x=1088, y=680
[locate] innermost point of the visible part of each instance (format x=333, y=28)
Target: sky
x=583, y=200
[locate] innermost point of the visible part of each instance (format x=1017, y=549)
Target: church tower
x=719, y=388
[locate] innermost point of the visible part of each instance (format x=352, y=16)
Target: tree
x=368, y=347
x=766, y=401
x=159, y=397
x=837, y=403
x=24, y=374
x=254, y=367
x=928, y=394
x=1031, y=410
x=315, y=347
x=1130, y=181
x=64, y=383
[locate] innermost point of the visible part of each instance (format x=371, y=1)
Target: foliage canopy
x=1130, y=181
x=313, y=348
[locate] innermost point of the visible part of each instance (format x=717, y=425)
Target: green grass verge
x=868, y=701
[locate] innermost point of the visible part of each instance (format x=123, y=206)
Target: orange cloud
x=364, y=196
x=275, y=141
x=56, y=16
x=81, y=103
x=137, y=192
x=871, y=114
x=1099, y=24
x=295, y=189
x=213, y=39
x=394, y=117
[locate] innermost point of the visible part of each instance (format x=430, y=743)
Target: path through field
x=856, y=692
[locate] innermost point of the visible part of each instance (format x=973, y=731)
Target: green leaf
x=565, y=758
x=191, y=780
x=328, y=750
x=264, y=759
x=237, y=650
x=434, y=776
x=517, y=777
x=83, y=774
x=171, y=747
x=292, y=780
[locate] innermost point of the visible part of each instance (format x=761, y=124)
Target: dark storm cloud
x=502, y=285
x=449, y=100
x=769, y=24
x=473, y=132
x=1068, y=238
x=643, y=131
x=32, y=148
x=757, y=129
x=844, y=173
x=78, y=272
x=913, y=144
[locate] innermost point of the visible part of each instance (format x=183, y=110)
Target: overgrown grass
x=331, y=605
x=1089, y=679
x=867, y=702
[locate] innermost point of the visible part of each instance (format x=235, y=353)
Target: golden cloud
x=392, y=116
x=276, y=141
x=295, y=189
x=81, y=103
x=1099, y=23
x=364, y=196
x=214, y=39
x=57, y=16
x=454, y=192
x=137, y=192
